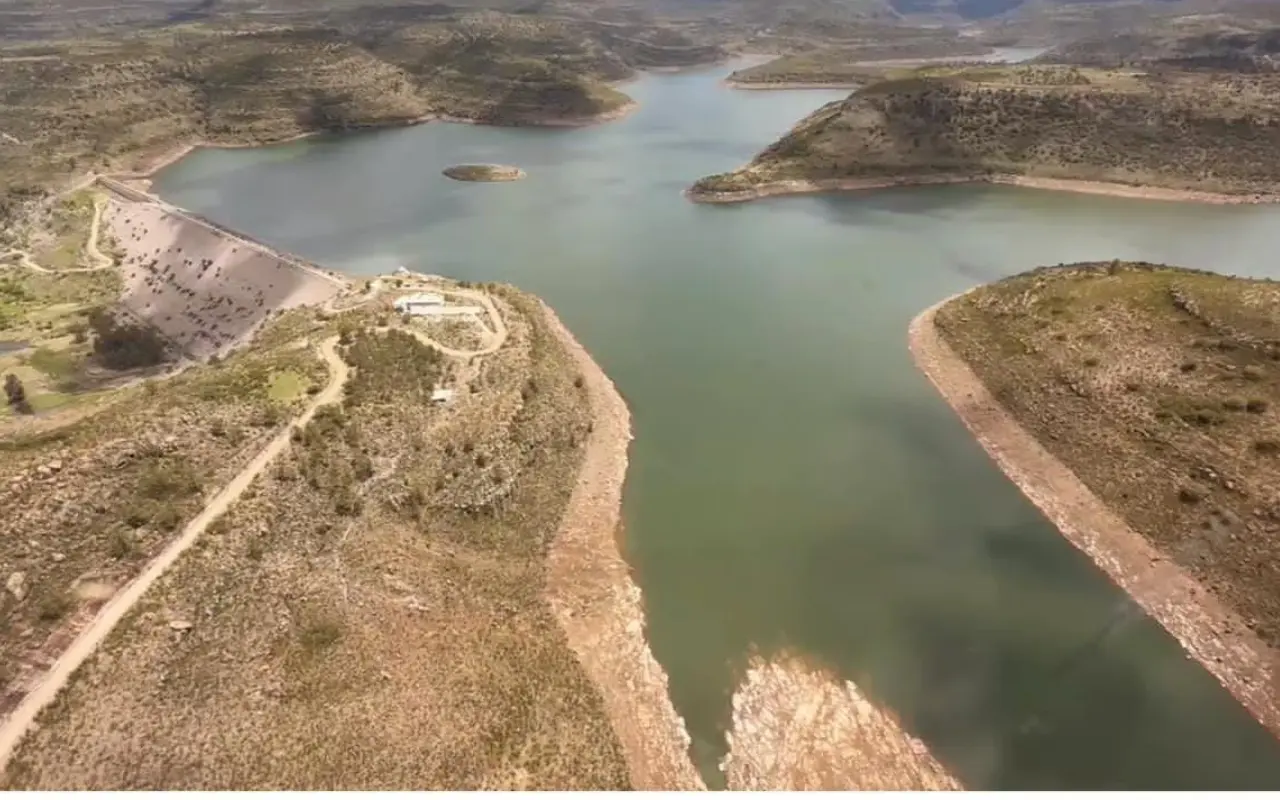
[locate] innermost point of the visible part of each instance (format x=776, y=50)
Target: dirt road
x=91, y=247
x=15, y=727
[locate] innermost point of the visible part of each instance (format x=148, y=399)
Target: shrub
x=54, y=606
x=1190, y=494
x=16, y=395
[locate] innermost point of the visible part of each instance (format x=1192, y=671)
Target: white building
x=441, y=396
x=420, y=304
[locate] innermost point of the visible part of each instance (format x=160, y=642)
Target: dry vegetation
x=1226, y=47
x=371, y=613
x=846, y=64
x=103, y=104
x=1203, y=131
x=89, y=498
x=1158, y=387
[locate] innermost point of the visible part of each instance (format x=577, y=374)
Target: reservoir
x=795, y=484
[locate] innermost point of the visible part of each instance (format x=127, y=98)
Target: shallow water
x=795, y=483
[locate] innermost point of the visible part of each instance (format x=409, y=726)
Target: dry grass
x=371, y=614
x=1205, y=131
x=1158, y=388
x=89, y=499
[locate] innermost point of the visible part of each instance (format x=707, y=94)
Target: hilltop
x=1209, y=135
x=1135, y=404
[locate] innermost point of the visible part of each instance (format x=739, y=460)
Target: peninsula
x=1190, y=135
x=1135, y=405
x=246, y=495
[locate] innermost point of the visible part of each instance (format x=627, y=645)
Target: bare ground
x=798, y=729
x=783, y=188
x=599, y=605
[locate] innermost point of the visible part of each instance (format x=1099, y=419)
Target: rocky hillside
x=1204, y=131
x=96, y=104
x=1229, y=49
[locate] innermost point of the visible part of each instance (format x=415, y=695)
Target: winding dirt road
x=15, y=727
x=91, y=247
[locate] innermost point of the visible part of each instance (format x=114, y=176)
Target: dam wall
x=205, y=288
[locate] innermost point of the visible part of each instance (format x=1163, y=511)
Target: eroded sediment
x=599, y=605
x=796, y=728
x=783, y=188
x=1206, y=628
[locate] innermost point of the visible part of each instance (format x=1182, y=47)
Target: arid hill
x=1230, y=48
x=1214, y=132
x=845, y=63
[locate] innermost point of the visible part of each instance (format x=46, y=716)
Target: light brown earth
x=798, y=729
x=783, y=188
x=19, y=721
x=1132, y=405
x=600, y=606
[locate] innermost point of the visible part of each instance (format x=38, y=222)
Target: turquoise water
x=795, y=483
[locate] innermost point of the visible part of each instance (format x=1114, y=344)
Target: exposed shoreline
x=788, y=86
x=599, y=606
x=784, y=188
x=1209, y=631
x=799, y=728
x=154, y=165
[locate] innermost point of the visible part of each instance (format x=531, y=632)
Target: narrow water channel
x=795, y=483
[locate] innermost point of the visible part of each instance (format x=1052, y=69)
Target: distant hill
x=1214, y=132
x=1240, y=50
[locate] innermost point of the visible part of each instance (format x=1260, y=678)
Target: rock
x=16, y=585
x=55, y=465
x=43, y=471
x=59, y=557
x=181, y=625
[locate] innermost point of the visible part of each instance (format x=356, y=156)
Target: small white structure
x=420, y=304
x=441, y=396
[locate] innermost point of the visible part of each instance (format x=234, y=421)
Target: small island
x=484, y=173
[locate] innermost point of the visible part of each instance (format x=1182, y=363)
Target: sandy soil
x=796, y=729
x=782, y=188
x=599, y=605
x=15, y=726
x=1208, y=630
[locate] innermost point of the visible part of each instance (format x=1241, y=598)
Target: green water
x=795, y=483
